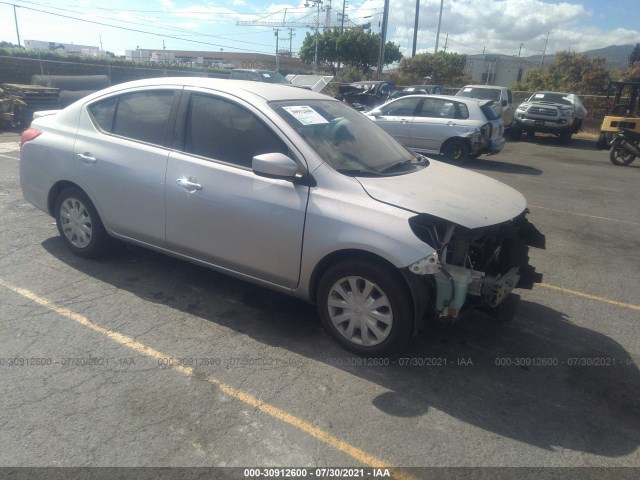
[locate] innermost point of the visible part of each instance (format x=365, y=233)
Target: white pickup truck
x=502, y=97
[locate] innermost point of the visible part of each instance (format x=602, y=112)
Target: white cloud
x=497, y=26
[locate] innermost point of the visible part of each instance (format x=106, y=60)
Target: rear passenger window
x=103, y=113
x=463, y=111
x=222, y=130
x=140, y=116
x=143, y=115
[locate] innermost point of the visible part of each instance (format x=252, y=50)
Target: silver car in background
x=286, y=188
x=458, y=128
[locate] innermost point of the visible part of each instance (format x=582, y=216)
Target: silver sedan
x=458, y=128
x=282, y=187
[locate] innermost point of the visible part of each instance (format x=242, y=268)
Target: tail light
x=486, y=130
x=28, y=135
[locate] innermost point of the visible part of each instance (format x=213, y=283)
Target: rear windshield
x=272, y=77
x=489, y=112
x=481, y=93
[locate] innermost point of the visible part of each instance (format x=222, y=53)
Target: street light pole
x=275, y=32
x=15, y=18
x=439, y=22
x=383, y=37
x=520, y=49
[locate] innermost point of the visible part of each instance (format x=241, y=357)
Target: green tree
x=353, y=47
x=632, y=74
x=443, y=68
x=571, y=72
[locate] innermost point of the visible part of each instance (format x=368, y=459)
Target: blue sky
x=468, y=26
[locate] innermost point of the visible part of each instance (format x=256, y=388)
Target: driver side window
x=221, y=130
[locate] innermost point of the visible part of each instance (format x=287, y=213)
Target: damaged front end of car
x=476, y=267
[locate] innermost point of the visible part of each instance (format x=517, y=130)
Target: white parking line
x=9, y=147
x=336, y=443
x=584, y=215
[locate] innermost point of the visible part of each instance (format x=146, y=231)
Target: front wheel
x=79, y=223
x=619, y=155
x=367, y=308
x=456, y=151
x=565, y=138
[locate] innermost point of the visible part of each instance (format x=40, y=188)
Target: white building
x=501, y=70
x=61, y=47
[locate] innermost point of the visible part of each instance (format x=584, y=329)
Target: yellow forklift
x=622, y=111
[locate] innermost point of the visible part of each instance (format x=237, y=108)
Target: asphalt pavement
x=139, y=359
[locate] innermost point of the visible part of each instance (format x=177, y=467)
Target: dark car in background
x=365, y=95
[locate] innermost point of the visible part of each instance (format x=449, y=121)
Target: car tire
x=620, y=156
x=79, y=224
x=515, y=133
x=565, y=138
x=456, y=150
x=367, y=308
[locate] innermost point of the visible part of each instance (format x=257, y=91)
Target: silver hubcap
x=360, y=311
x=75, y=222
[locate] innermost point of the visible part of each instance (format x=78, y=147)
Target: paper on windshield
x=305, y=115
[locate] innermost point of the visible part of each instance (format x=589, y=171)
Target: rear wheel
x=367, y=308
x=79, y=223
x=619, y=155
x=456, y=151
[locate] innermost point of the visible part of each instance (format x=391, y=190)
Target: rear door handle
x=190, y=184
x=86, y=158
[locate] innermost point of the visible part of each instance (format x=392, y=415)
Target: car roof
x=241, y=88
x=447, y=97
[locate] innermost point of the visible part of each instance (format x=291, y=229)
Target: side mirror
x=505, y=103
x=275, y=165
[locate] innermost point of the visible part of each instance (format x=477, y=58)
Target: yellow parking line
x=240, y=395
x=585, y=215
x=591, y=297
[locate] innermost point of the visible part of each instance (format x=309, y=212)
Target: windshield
x=273, y=77
x=481, y=93
x=346, y=139
x=563, y=98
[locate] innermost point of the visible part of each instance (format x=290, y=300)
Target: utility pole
x=439, y=22
x=415, y=29
x=275, y=32
x=344, y=2
x=520, y=49
x=545, y=49
x=446, y=41
x=317, y=3
x=383, y=37
x=291, y=42
x=15, y=18
x=327, y=18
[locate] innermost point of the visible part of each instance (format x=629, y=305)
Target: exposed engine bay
x=479, y=266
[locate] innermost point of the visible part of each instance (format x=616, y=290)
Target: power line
x=163, y=26
x=132, y=29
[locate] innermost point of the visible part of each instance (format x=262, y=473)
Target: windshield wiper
x=396, y=165
x=358, y=173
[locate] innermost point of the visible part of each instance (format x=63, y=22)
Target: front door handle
x=190, y=184
x=86, y=158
